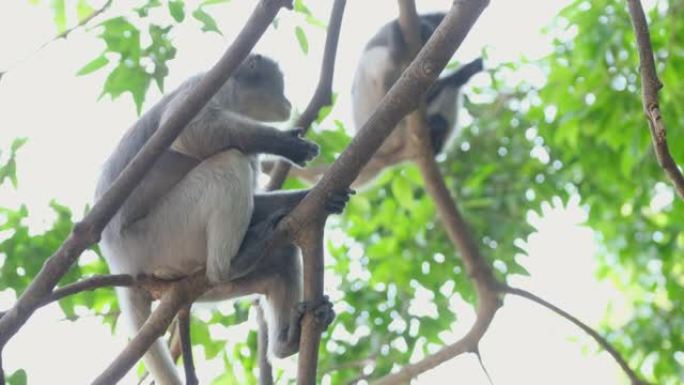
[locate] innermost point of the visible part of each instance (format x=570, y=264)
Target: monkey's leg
x=135, y=306
x=269, y=209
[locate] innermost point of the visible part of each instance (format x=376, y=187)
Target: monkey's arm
x=215, y=130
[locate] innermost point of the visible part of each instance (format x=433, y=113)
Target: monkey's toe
x=336, y=201
x=321, y=310
x=324, y=313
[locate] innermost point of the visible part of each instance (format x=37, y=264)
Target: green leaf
x=83, y=10
x=93, y=66
x=17, y=144
x=58, y=6
x=177, y=10
x=301, y=38
x=18, y=378
x=301, y=8
x=208, y=22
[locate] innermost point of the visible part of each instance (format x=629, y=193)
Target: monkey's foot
x=301, y=150
x=321, y=310
x=336, y=201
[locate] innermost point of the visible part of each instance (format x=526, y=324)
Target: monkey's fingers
x=336, y=201
x=303, y=151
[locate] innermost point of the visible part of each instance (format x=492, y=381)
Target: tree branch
x=650, y=85
x=305, y=221
x=174, y=297
x=88, y=231
x=89, y=284
x=458, y=231
x=265, y=369
x=323, y=94
x=186, y=345
x=311, y=243
x=633, y=377
x=62, y=35
x=401, y=98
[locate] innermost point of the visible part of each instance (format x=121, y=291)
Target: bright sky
x=71, y=133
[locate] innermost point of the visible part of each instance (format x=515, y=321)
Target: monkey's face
x=260, y=90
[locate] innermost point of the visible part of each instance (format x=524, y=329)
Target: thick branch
x=323, y=94
x=633, y=377
x=88, y=231
x=650, y=85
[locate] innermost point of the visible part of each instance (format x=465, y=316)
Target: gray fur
x=194, y=207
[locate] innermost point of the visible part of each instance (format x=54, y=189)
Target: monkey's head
x=258, y=90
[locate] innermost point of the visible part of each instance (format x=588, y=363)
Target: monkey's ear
x=254, y=63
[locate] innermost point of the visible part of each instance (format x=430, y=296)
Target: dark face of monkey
x=261, y=95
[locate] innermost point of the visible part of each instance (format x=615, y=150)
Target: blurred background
x=552, y=167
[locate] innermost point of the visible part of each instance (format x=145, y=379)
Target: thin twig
x=88, y=231
x=650, y=85
x=186, y=345
x=633, y=377
x=88, y=284
x=323, y=94
x=62, y=35
x=265, y=369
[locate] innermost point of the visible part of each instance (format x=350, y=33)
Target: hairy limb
x=216, y=130
x=269, y=209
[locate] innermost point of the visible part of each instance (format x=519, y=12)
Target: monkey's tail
x=455, y=80
x=463, y=74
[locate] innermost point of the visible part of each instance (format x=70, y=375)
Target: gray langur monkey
x=197, y=209
x=382, y=62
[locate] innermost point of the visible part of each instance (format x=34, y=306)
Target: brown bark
x=650, y=85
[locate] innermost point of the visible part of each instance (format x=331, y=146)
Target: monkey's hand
x=300, y=150
x=337, y=200
x=321, y=310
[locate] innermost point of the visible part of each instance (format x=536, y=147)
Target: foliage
x=580, y=134
x=599, y=133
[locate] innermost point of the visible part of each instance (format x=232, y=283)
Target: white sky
x=71, y=133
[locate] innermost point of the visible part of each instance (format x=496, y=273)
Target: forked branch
x=403, y=97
